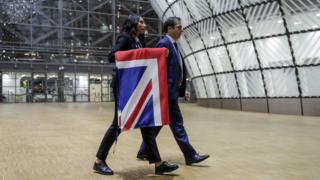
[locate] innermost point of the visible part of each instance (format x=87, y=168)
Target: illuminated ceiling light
x=104, y=28
x=297, y=23
x=280, y=21
x=318, y=14
x=315, y=26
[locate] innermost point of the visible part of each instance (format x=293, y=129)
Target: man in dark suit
x=176, y=73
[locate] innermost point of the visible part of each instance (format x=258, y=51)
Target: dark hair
x=130, y=25
x=170, y=22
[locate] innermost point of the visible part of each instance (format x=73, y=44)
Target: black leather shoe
x=102, y=168
x=166, y=167
x=196, y=159
x=142, y=156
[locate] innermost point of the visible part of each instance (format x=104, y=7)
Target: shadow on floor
x=143, y=173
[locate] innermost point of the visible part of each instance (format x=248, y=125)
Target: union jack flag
x=142, y=88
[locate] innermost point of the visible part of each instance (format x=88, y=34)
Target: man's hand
x=187, y=96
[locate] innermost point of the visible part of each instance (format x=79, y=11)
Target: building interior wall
x=246, y=53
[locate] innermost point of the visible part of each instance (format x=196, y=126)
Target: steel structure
x=256, y=55
x=64, y=36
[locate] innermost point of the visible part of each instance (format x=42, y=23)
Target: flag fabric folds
x=142, y=88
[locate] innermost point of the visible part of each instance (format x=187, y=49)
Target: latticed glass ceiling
x=249, y=48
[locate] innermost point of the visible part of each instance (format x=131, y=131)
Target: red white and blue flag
x=142, y=88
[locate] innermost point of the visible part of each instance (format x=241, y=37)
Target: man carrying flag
x=176, y=73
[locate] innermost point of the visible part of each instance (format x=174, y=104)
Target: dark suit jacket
x=124, y=42
x=175, y=87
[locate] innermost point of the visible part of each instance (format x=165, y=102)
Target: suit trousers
x=178, y=130
x=113, y=132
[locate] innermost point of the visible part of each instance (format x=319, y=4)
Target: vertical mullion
x=292, y=53
x=257, y=54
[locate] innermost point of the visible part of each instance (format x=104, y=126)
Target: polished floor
x=59, y=141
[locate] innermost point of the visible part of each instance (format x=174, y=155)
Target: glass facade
x=57, y=50
x=247, y=49
x=22, y=87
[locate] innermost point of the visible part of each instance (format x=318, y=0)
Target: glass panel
x=243, y=56
x=251, y=84
x=8, y=86
x=193, y=65
x=101, y=39
x=107, y=92
x=228, y=85
x=82, y=87
x=159, y=6
x=274, y=52
x=75, y=19
x=220, y=6
x=210, y=33
x=220, y=59
x=101, y=6
x=302, y=14
x=16, y=33
x=192, y=35
x=52, y=4
x=52, y=87
x=195, y=85
x=265, y=20
x=74, y=38
x=45, y=16
x=152, y=27
x=189, y=69
x=306, y=47
x=95, y=88
x=75, y=5
x=309, y=77
x=233, y=27
x=211, y=86
x=184, y=45
x=204, y=63
x=13, y=12
x=47, y=36
x=179, y=9
x=23, y=87
x=251, y=2
x=38, y=87
x=69, y=87
x=281, y=82
x=195, y=6
x=198, y=84
x=145, y=10
x=101, y=22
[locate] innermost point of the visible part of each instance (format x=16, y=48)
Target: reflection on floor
x=59, y=141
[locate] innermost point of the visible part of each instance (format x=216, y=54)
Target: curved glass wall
x=251, y=50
